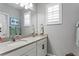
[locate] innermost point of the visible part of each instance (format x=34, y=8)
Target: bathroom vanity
x=30, y=46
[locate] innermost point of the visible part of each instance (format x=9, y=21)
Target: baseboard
x=50, y=54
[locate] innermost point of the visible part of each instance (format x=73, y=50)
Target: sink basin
x=10, y=43
x=17, y=43
x=27, y=39
x=4, y=44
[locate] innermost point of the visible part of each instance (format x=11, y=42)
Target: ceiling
x=14, y=5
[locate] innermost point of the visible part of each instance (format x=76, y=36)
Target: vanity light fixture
x=26, y=5
x=21, y=4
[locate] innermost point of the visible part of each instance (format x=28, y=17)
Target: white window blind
x=27, y=19
x=53, y=14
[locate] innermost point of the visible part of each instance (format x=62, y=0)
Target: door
x=42, y=47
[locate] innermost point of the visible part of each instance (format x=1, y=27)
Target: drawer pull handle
x=43, y=46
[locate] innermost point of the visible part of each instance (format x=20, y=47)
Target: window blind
x=53, y=14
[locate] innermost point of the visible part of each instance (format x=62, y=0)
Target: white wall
x=71, y=13
x=62, y=38
x=41, y=15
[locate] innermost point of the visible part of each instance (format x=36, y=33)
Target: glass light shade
x=26, y=7
x=31, y=5
x=21, y=4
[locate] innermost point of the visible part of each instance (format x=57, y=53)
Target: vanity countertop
x=8, y=46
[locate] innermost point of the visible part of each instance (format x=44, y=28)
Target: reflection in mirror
x=15, y=29
x=16, y=21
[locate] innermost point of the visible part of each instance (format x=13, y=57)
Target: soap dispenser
x=42, y=29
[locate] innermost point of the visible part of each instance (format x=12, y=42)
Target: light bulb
x=31, y=5
x=26, y=7
x=21, y=4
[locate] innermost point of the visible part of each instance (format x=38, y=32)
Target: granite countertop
x=9, y=45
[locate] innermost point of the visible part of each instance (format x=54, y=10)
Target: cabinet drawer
x=42, y=40
x=22, y=50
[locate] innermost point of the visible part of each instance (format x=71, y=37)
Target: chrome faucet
x=13, y=38
x=33, y=31
x=16, y=38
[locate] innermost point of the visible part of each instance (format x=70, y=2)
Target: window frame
x=60, y=14
x=30, y=19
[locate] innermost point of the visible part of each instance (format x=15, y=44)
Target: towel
x=77, y=37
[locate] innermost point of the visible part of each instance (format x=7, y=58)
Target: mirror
x=12, y=21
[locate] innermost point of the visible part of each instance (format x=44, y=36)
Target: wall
x=41, y=15
x=61, y=38
x=10, y=11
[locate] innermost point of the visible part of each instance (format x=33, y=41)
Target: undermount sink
x=11, y=43
x=4, y=44
x=17, y=43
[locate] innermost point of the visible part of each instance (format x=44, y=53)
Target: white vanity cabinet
x=36, y=48
x=42, y=47
x=23, y=51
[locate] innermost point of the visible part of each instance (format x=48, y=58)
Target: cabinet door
x=21, y=51
x=42, y=47
x=31, y=52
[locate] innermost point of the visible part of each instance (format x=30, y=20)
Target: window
x=27, y=19
x=54, y=14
